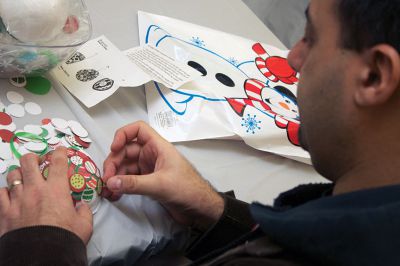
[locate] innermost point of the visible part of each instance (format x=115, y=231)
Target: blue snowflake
x=233, y=61
x=251, y=123
x=197, y=41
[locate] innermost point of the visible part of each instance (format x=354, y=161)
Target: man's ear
x=381, y=77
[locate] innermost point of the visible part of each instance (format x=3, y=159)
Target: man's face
x=323, y=93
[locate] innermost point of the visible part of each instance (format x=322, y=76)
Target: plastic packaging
x=35, y=35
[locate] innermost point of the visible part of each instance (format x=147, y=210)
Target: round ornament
x=85, y=182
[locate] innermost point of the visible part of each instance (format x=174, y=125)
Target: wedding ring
x=14, y=184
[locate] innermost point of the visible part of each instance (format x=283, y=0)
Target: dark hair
x=365, y=23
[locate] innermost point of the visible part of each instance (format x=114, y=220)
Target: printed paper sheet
x=99, y=68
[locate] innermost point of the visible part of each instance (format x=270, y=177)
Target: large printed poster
x=247, y=89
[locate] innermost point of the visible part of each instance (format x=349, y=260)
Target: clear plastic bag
x=35, y=35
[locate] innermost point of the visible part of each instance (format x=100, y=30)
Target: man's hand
x=142, y=162
x=43, y=202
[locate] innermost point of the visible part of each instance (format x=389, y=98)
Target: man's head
x=367, y=23
x=348, y=91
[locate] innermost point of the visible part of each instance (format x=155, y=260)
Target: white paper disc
x=53, y=141
x=35, y=146
x=59, y=123
x=15, y=110
x=33, y=108
x=87, y=140
x=78, y=129
x=51, y=130
x=33, y=129
x=15, y=97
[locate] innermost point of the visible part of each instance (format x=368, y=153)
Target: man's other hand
x=32, y=200
x=142, y=162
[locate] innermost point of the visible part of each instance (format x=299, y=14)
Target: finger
x=115, y=197
x=132, y=150
x=131, y=169
x=4, y=200
x=17, y=190
x=85, y=231
x=30, y=169
x=138, y=130
x=114, y=161
x=111, y=163
x=58, y=169
x=106, y=193
x=147, y=185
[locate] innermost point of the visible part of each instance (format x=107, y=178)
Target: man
x=349, y=101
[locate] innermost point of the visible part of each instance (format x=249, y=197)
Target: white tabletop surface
x=252, y=174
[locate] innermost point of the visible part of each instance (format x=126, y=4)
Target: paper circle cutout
x=59, y=123
x=5, y=119
x=14, y=97
x=46, y=121
x=77, y=128
x=33, y=108
x=84, y=185
x=38, y=85
x=33, y=129
x=6, y=135
x=15, y=110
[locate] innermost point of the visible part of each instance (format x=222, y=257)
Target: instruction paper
x=160, y=67
x=99, y=68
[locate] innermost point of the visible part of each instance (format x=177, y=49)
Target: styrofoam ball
x=34, y=21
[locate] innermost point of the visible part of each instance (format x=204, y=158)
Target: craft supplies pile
x=42, y=138
x=35, y=35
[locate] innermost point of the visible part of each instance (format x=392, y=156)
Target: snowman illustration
x=224, y=80
x=278, y=102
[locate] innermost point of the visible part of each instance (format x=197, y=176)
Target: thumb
x=134, y=184
x=85, y=229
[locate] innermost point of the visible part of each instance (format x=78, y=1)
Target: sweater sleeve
x=235, y=221
x=42, y=245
